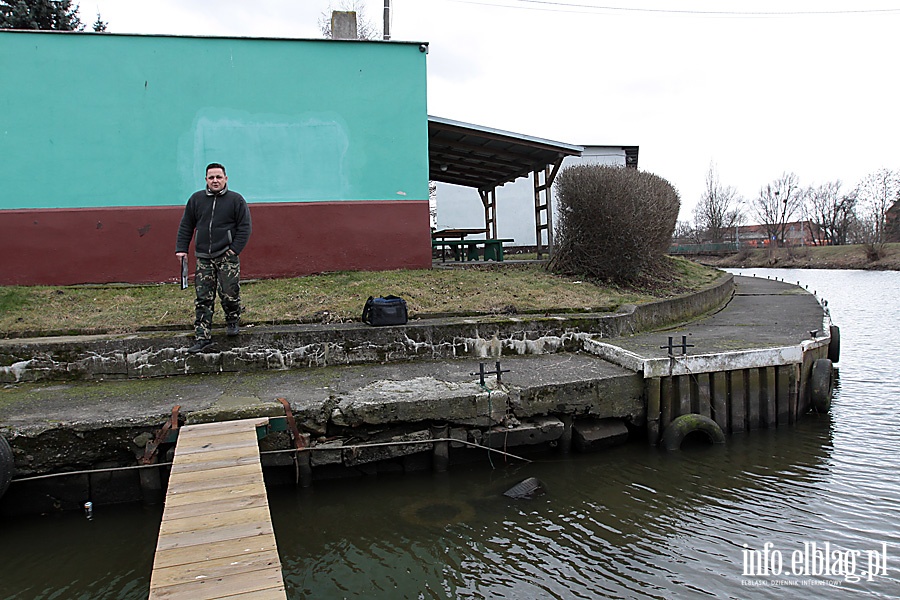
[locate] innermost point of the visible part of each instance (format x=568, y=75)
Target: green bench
x=469, y=249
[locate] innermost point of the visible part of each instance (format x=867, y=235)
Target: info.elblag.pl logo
x=816, y=560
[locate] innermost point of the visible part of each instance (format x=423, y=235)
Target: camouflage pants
x=220, y=274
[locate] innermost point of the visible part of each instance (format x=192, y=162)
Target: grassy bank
x=333, y=297
x=808, y=257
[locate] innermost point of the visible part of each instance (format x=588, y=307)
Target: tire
x=821, y=384
x=685, y=425
x=6, y=465
x=834, y=346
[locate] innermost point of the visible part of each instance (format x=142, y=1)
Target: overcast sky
x=756, y=87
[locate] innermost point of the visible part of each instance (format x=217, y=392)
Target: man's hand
x=180, y=255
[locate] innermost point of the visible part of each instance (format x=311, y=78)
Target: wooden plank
x=236, y=425
x=219, y=534
x=653, y=387
x=683, y=383
x=666, y=402
x=215, y=521
x=241, y=491
x=235, y=471
x=218, y=567
x=768, y=397
x=214, y=455
x=221, y=587
x=215, y=463
x=782, y=404
x=704, y=394
x=185, y=555
x=208, y=444
x=755, y=397
x=195, y=486
x=720, y=400
x=738, y=400
x=216, y=538
x=215, y=505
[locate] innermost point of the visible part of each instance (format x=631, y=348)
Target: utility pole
x=387, y=19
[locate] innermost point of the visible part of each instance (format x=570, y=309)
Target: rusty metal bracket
x=683, y=345
x=299, y=440
x=152, y=447
x=302, y=467
x=481, y=373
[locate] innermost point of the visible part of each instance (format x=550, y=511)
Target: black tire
x=821, y=385
x=6, y=465
x=682, y=426
x=834, y=346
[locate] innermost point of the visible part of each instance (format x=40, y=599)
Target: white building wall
x=461, y=207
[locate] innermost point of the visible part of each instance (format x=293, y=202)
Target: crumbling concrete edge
x=304, y=346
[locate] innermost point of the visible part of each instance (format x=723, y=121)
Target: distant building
x=798, y=233
x=892, y=223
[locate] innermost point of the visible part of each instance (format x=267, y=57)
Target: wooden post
x=785, y=393
x=756, y=391
x=770, y=408
x=704, y=394
x=666, y=402
x=738, y=401
x=720, y=400
x=685, y=406
x=654, y=389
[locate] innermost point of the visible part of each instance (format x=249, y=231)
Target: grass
x=332, y=297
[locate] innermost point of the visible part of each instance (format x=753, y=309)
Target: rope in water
x=312, y=448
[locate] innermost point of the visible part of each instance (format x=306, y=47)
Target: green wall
x=98, y=120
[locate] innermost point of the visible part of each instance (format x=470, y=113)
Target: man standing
x=221, y=219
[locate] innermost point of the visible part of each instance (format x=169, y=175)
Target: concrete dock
x=569, y=376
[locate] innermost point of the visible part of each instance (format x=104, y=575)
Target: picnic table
x=467, y=249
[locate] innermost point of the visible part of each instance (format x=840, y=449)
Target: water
x=633, y=522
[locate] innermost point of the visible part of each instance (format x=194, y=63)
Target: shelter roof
x=484, y=158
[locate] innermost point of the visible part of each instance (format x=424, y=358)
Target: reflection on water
x=69, y=557
x=633, y=522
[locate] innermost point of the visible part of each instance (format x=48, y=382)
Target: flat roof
x=217, y=37
x=484, y=158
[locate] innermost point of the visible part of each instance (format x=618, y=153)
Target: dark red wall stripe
x=137, y=245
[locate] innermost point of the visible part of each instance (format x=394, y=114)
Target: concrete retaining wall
x=304, y=346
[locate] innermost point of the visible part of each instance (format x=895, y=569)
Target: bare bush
x=613, y=223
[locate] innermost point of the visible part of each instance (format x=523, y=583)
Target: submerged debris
x=526, y=489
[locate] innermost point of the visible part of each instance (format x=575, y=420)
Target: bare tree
x=686, y=233
x=777, y=204
x=364, y=28
x=829, y=212
x=717, y=212
x=876, y=193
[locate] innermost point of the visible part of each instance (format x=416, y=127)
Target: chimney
x=343, y=25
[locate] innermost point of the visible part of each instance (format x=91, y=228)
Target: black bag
x=390, y=310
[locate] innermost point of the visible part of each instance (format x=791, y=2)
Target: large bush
x=613, y=223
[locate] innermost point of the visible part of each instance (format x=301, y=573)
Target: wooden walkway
x=216, y=539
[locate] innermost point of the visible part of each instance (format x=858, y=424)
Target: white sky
x=757, y=94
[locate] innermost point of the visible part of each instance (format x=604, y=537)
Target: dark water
x=633, y=522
